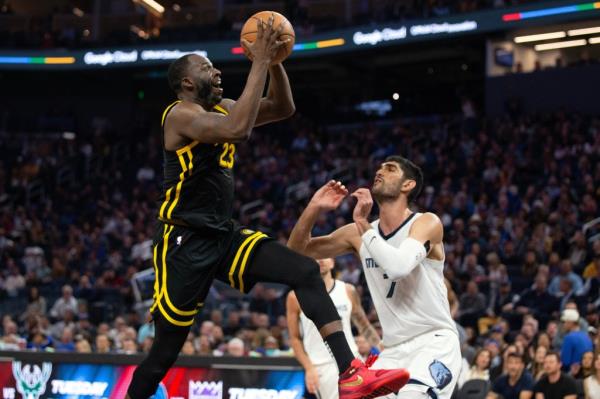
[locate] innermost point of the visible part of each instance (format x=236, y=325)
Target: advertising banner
x=39, y=380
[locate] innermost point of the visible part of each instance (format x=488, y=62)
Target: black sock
x=340, y=350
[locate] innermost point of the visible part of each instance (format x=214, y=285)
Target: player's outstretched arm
x=360, y=320
x=337, y=243
x=208, y=127
x=279, y=102
x=425, y=232
x=292, y=313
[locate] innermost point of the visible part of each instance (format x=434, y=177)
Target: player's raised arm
x=337, y=243
x=426, y=232
x=279, y=102
x=195, y=123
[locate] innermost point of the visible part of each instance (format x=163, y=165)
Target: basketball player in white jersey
x=319, y=366
x=403, y=260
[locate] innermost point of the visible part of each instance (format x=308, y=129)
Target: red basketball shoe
x=359, y=382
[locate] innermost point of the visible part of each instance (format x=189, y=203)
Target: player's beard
x=386, y=191
x=206, y=93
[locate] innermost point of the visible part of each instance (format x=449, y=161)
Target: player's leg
x=184, y=265
x=273, y=262
x=328, y=381
x=168, y=341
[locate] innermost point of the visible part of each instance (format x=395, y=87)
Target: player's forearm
x=365, y=328
x=371, y=336
x=280, y=91
x=300, y=353
x=300, y=235
x=243, y=114
x=395, y=262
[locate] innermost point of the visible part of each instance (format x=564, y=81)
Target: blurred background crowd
x=517, y=195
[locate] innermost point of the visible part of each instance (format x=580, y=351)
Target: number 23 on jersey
x=226, y=159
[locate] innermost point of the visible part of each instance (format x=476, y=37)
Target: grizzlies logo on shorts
x=440, y=374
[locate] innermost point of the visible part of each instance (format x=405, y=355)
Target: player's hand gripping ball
x=286, y=31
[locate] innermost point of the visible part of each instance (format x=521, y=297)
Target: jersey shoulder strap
x=166, y=111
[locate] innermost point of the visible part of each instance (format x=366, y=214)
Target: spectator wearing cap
x=576, y=342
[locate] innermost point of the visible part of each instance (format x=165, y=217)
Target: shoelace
x=370, y=360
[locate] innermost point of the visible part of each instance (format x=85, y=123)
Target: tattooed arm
x=360, y=320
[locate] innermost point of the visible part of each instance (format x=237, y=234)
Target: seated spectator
x=537, y=301
x=576, y=342
x=82, y=345
x=502, y=368
x=188, y=348
x=566, y=271
x=36, y=304
x=13, y=281
x=66, y=302
x=587, y=366
x=555, y=384
x=39, y=341
x=591, y=385
x=11, y=339
x=235, y=348
x=479, y=370
x=66, y=343
x=128, y=346
x=471, y=305
x=103, y=344
x=517, y=383
x=536, y=367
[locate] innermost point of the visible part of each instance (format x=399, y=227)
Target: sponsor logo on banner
x=205, y=390
x=84, y=388
x=31, y=381
x=390, y=34
x=258, y=393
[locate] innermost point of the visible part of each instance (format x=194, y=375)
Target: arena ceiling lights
x=539, y=37
x=341, y=40
x=152, y=6
x=558, y=45
x=584, y=31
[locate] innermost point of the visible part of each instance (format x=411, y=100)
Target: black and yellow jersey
x=198, y=183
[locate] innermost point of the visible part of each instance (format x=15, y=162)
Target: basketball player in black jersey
x=196, y=241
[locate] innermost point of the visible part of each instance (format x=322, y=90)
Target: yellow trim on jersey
x=157, y=287
x=178, y=187
x=237, y=256
x=166, y=111
x=243, y=266
x=161, y=213
x=164, y=292
x=172, y=320
x=221, y=109
x=188, y=147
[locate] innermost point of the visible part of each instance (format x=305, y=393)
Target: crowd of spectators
x=46, y=32
x=517, y=196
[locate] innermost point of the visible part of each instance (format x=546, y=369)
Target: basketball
x=249, y=33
